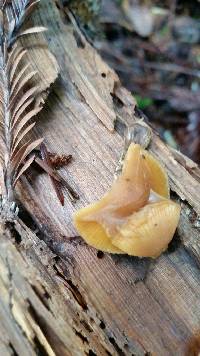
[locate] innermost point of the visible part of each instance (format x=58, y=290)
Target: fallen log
x=57, y=295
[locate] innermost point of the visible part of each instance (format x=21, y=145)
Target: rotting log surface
x=59, y=296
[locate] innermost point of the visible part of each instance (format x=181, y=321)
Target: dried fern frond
x=14, y=14
x=17, y=101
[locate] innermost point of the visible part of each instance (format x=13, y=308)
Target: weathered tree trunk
x=59, y=296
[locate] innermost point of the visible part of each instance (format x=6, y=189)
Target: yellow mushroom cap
x=158, y=179
x=128, y=193
x=127, y=211
x=93, y=232
x=148, y=232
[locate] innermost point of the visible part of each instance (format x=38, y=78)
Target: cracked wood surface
x=59, y=296
x=39, y=306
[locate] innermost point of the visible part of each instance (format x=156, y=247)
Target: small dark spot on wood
x=56, y=259
x=108, y=353
x=155, y=224
x=86, y=326
x=39, y=348
x=47, y=295
x=58, y=5
x=79, y=41
x=138, y=280
x=91, y=353
x=115, y=345
x=140, y=115
x=103, y=75
x=119, y=103
x=18, y=238
x=128, y=52
x=102, y=325
x=81, y=336
x=112, y=33
x=27, y=218
x=100, y=254
x=173, y=195
x=128, y=180
x=194, y=219
x=175, y=243
x=143, y=156
x=14, y=233
x=75, y=240
x=193, y=216
x=14, y=352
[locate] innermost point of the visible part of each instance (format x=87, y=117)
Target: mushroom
x=136, y=216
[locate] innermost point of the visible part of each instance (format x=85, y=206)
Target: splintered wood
x=57, y=294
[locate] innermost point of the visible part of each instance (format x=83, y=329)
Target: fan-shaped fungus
x=136, y=216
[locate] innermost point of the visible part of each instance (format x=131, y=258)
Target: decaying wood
x=59, y=296
x=32, y=300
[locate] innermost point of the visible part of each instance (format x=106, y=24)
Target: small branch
x=56, y=179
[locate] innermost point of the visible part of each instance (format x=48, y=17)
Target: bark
x=57, y=295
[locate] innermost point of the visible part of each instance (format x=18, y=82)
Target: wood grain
x=99, y=303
